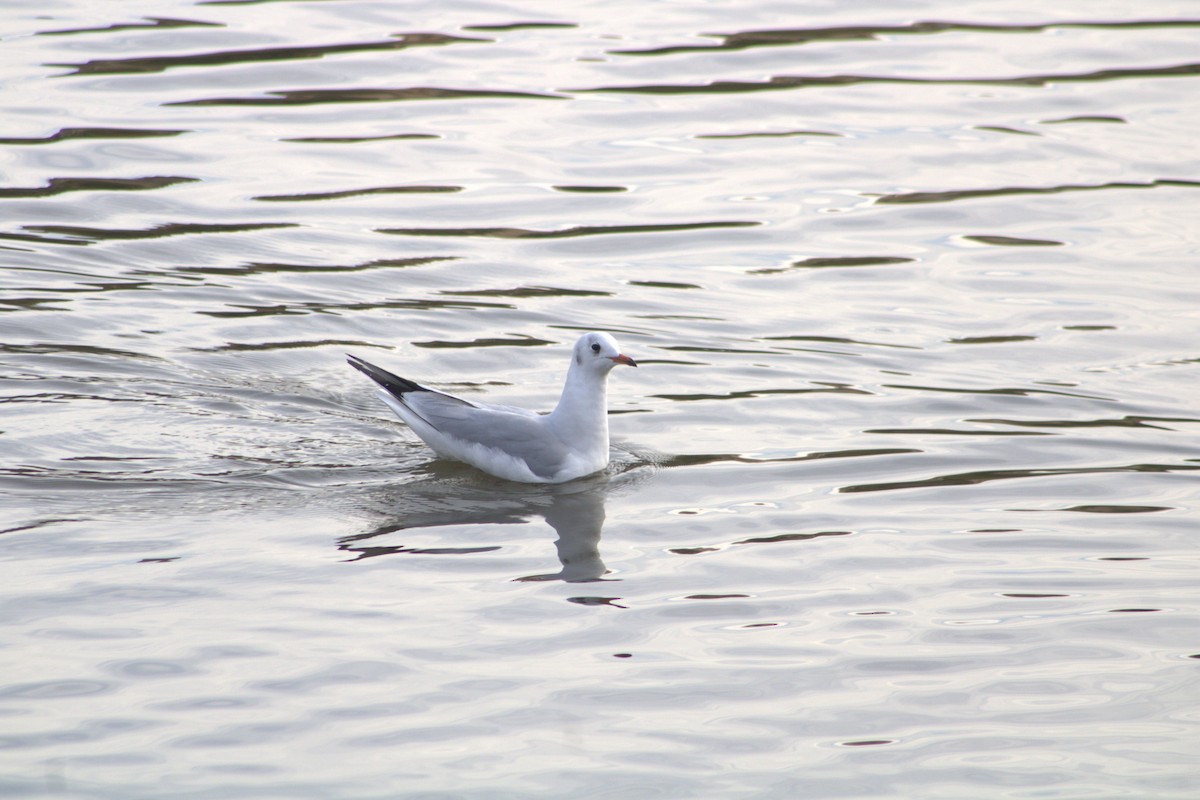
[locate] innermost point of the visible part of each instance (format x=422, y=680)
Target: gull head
x=599, y=352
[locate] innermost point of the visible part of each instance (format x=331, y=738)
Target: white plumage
x=509, y=442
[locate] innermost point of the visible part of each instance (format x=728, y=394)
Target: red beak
x=624, y=359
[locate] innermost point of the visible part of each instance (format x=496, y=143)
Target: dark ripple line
x=58, y=348
x=749, y=393
x=526, y=341
x=358, y=139
x=824, y=386
x=1103, y=509
x=767, y=135
x=565, y=233
x=41, y=398
x=970, y=194
x=834, y=262
x=88, y=286
x=665, y=285
x=1129, y=421
x=1004, y=129
x=987, y=476
x=781, y=82
x=9, y=305
x=999, y=339
x=701, y=459
x=63, y=185
x=306, y=344
x=837, y=340
x=158, y=23
x=1086, y=118
x=41, y=524
x=29, y=237
x=265, y=268
x=954, y=432
x=791, y=537
x=590, y=189
x=152, y=64
x=303, y=97
x=24, y=478
x=683, y=348
x=517, y=26
x=300, y=198
x=1012, y=241
x=284, y=309
x=157, y=232
x=63, y=134
x=379, y=550
x=526, y=291
x=1011, y=391
x=798, y=36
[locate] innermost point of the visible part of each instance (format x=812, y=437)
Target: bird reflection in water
x=575, y=510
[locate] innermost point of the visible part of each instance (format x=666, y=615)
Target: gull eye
x=595, y=348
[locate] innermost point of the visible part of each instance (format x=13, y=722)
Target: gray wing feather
x=516, y=431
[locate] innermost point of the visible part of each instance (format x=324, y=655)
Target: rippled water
x=903, y=500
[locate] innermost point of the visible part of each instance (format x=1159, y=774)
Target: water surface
x=903, y=496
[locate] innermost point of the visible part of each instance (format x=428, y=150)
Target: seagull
x=509, y=442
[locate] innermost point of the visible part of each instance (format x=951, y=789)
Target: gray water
x=903, y=499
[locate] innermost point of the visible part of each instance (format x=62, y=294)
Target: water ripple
x=1128, y=421
x=358, y=139
x=836, y=262
x=788, y=82
x=297, y=198
x=151, y=64
x=151, y=23
x=526, y=291
x=566, y=233
x=313, y=307
x=699, y=459
x=83, y=234
x=1010, y=391
x=269, y=268
x=971, y=194
x=987, y=476
x=1013, y=241
x=62, y=185
x=744, y=40
x=767, y=135
x=523, y=341
x=812, y=580
x=66, y=134
x=520, y=26
x=307, y=97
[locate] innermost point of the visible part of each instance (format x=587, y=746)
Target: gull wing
x=504, y=440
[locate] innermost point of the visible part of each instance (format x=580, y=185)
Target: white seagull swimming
x=509, y=442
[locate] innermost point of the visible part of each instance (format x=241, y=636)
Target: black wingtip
x=392, y=383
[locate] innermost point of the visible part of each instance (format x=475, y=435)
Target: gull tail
x=392, y=384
